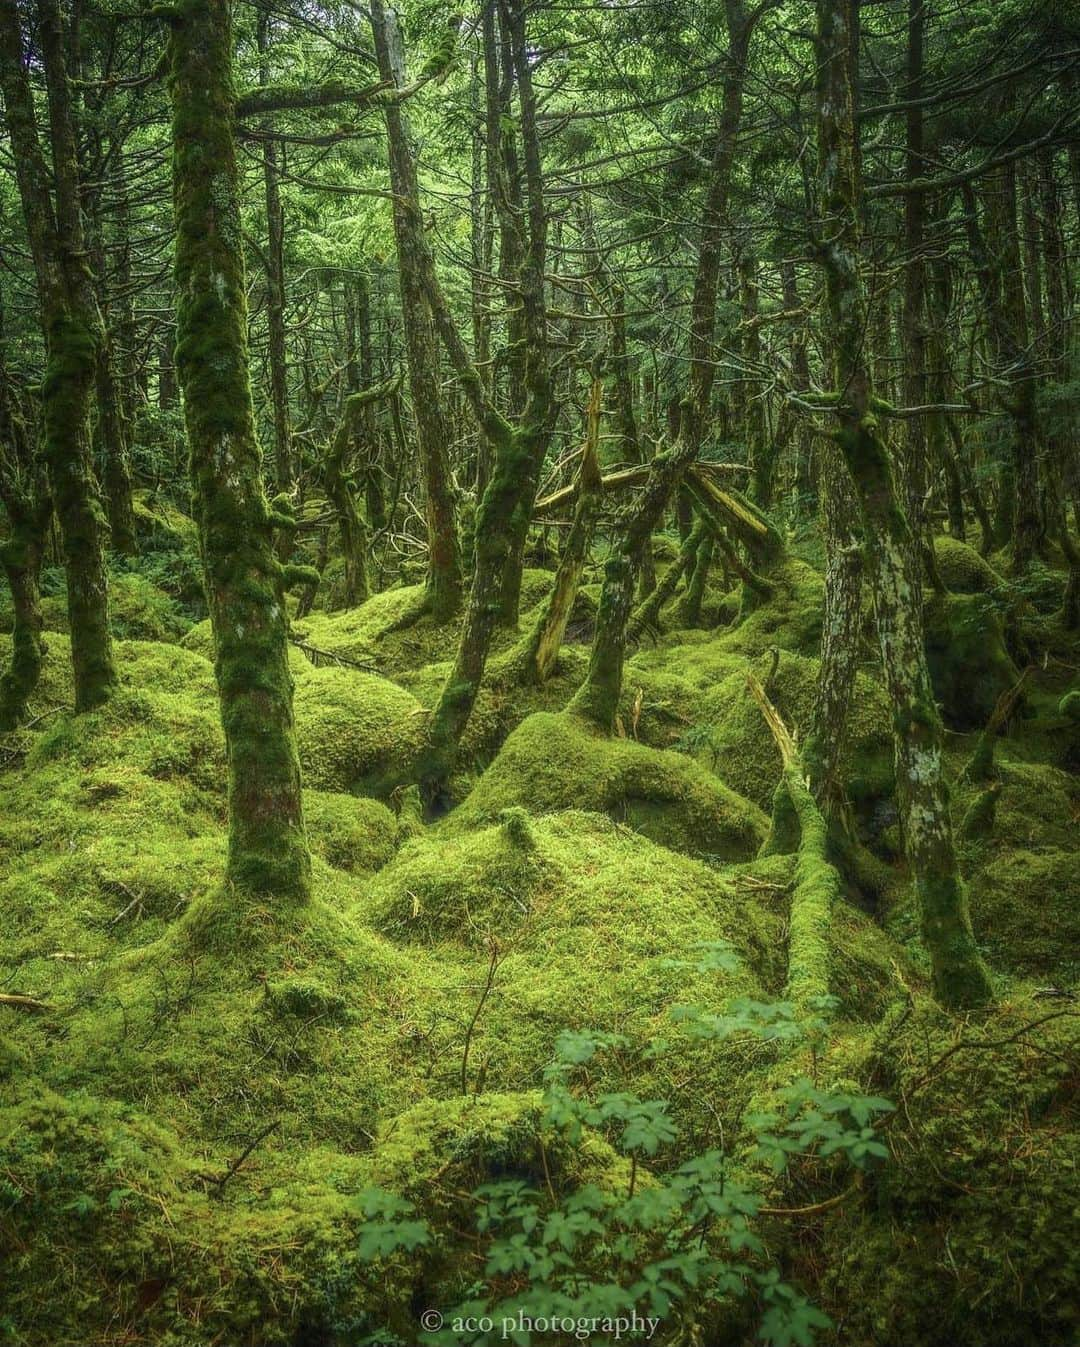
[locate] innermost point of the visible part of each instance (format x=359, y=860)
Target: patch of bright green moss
x=965, y=1239
x=963, y=569
x=554, y=762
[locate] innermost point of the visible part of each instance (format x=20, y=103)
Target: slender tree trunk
x=996, y=255
x=840, y=632
x=275, y=288
x=960, y=978
x=72, y=335
x=444, y=553
x=541, y=648
x=24, y=493
x=268, y=851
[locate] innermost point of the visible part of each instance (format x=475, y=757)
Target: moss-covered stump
x=554, y=762
x=970, y=667
x=742, y=752
x=967, y=1237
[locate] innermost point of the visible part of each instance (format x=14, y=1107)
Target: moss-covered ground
x=394, y=1031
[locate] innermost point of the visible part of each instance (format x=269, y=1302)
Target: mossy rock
x=963, y=569
x=699, y=658
x=970, y=666
x=741, y=750
x=554, y=762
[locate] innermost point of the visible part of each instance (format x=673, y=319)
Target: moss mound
x=1024, y=882
x=963, y=569
x=350, y=834
x=392, y=634
x=967, y=1237
x=554, y=762
x=355, y=730
x=789, y=620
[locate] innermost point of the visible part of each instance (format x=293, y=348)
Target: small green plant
x=660, y=1251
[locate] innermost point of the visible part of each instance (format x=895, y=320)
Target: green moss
x=351, y=834
x=357, y=732
x=554, y=762
x=963, y=569
x=966, y=1238
x=393, y=634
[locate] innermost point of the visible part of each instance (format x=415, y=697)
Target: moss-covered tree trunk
x=540, y=650
x=840, y=632
x=275, y=286
x=25, y=496
x=996, y=255
x=960, y=978
x=72, y=331
x=444, y=553
x=268, y=851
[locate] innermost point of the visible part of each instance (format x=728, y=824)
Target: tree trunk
x=960, y=978
x=444, y=553
x=25, y=495
x=840, y=632
x=275, y=288
x=268, y=851
x=72, y=336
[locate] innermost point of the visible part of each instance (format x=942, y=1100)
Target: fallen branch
x=29, y=1003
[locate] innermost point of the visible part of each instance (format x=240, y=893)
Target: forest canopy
x=539, y=651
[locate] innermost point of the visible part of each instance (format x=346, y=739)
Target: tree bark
x=444, y=553
x=960, y=978
x=268, y=851
x=72, y=330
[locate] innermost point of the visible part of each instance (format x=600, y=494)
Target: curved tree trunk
x=444, y=554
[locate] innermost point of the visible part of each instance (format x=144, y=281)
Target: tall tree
x=72, y=330
x=960, y=978
x=268, y=851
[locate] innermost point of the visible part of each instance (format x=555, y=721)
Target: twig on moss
x=219, y=1181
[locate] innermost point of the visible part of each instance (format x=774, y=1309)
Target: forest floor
x=199, y=1098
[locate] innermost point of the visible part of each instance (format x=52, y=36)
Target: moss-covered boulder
x=350, y=833
x=554, y=762
x=356, y=731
